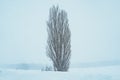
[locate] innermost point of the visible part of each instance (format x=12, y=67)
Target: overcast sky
x=94, y=24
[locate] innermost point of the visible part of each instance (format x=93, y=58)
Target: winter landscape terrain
x=75, y=73
x=95, y=36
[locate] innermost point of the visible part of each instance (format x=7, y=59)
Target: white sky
x=94, y=24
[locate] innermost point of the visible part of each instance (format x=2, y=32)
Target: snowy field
x=92, y=73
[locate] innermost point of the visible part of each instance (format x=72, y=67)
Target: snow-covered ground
x=92, y=73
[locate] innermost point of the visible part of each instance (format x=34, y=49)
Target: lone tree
x=59, y=38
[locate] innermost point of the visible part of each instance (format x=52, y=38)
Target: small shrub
x=47, y=68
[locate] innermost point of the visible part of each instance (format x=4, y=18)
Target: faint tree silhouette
x=59, y=38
